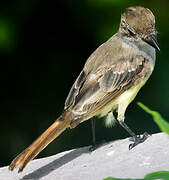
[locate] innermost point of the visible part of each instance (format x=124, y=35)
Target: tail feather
x=39, y=144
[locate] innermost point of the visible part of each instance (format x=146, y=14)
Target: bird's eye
x=147, y=38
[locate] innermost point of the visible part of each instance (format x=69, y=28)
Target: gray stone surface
x=111, y=159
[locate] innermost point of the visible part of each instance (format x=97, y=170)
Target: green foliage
x=7, y=34
x=155, y=175
x=163, y=125
x=158, y=175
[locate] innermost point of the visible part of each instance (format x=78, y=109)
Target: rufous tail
x=40, y=143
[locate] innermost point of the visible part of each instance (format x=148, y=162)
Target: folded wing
x=92, y=91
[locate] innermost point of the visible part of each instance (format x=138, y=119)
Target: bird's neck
x=140, y=46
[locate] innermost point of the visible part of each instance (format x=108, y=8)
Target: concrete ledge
x=112, y=159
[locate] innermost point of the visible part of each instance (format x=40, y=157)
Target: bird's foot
x=138, y=139
x=96, y=145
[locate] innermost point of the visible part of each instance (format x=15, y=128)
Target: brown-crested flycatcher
x=109, y=81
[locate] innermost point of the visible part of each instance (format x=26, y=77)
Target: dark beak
x=152, y=41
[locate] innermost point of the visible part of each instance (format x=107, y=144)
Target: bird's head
x=139, y=23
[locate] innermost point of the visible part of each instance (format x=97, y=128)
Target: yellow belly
x=120, y=103
x=123, y=100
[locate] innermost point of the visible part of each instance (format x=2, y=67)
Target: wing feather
x=89, y=94
x=74, y=91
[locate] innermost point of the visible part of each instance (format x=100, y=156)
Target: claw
x=92, y=148
x=138, y=139
x=97, y=145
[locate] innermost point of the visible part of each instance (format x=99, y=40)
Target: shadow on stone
x=45, y=170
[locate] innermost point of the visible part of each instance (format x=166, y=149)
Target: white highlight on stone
x=110, y=153
x=145, y=162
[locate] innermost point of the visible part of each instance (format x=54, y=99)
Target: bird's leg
x=95, y=144
x=136, y=139
x=93, y=126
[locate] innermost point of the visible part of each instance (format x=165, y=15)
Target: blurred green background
x=43, y=47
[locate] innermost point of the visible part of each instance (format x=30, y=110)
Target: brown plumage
x=109, y=81
x=38, y=145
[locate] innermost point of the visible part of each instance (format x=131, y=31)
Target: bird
x=109, y=81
